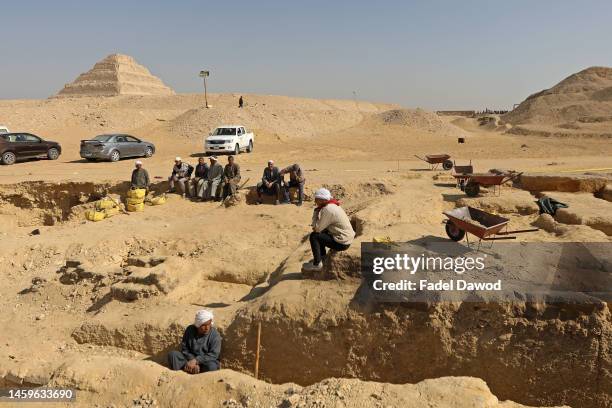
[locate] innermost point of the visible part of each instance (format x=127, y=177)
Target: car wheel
x=148, y=152
x=53, y=153
x=250, y=148
x=114, y=156
x=9, y=158
x=447, y=164
x=237, y=150
x=454, y=232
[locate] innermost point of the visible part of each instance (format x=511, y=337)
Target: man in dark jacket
x=200, y=346
x=199, y=176
x=296, y=179
x=270, y=183
x=231, y=177
x=140, y=177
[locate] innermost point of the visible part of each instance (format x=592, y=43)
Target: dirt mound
x=416, y=119
x=272, y=116
x=115, y=75
x=581, y=103
x=115, y=381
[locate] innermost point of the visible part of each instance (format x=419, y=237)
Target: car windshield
x=103, y=138
x=225, y=132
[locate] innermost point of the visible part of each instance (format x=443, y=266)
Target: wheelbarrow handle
x=511, y=177
x=420, y=158
x=518, y=231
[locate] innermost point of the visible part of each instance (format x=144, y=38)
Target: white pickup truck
x=229, y=139
x=4, y=129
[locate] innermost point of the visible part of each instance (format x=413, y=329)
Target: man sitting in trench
x=200, y=347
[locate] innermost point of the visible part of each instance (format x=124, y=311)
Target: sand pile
x=116, y=74
x=278, y=116
x=581, y=103
x=415, y=119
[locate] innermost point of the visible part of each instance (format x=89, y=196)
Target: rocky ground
x=96, y=306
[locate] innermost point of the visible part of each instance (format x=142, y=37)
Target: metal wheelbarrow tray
x=484, y=225
x=435, y=159
x=471, y=182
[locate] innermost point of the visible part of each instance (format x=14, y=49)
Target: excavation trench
x=41, y=203
x=536, y=354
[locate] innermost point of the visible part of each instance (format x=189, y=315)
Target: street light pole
x=205, y=74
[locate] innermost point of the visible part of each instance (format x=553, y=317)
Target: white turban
x=270, y=161
x=202, y=316
x=138, y=162
x=177, y=158
x=323, y=194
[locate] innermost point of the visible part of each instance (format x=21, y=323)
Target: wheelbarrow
x=470, y=183
x=435, y=159
x=461, y=173
x=483, y=225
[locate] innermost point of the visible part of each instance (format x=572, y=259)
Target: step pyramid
x=115, y=75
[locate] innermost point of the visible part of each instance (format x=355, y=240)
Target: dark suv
x=15, y=146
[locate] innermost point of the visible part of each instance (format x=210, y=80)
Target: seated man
x=140, y=177
x=231, y=177
x=200, y=347
x=199, y=177
x=181, y=172
x=331, y=228
x=270, y=183
x=296, y=179
x=211, y=185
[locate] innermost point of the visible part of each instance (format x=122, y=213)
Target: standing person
x=270, y=183
x=140, y=177
x=296, y=179
x=231, y=177
x=200, y=346
x=199, y=176
x=240, y=102
x=181, y=172
x=215, y=177
x=331, y=228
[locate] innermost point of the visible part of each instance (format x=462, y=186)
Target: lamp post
x=205, y=74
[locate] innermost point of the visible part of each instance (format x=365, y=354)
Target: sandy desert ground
x=72, y=316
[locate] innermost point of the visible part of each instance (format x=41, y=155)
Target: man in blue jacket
x=200, y=347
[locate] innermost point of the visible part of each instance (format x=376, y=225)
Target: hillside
x=580, y=104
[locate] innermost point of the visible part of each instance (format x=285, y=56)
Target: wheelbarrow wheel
x=447, y=164
x=454, y=232
x=472, y=189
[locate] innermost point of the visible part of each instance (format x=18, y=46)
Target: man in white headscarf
x=331, y=228
x=200, y=347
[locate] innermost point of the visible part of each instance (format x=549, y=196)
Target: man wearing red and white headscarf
x=331, y=228
x=200, y=347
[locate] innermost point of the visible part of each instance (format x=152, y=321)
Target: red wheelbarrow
x=470, y=183
x=435, y=159
x=484, y=225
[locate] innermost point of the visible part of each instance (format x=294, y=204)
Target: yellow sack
x=135, y=207
x=137, y=193
x=109, y=212
x=105, y=203
x=158, y=200
x=93, y=215
x=135, y=201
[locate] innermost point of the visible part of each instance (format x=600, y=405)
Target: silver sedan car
x=114, y=147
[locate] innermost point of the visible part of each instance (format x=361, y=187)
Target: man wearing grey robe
x=200, y=346
x=210, y=187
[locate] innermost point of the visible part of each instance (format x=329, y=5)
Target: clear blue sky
x=432, y=54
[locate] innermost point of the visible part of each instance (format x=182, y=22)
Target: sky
x=430, y=54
